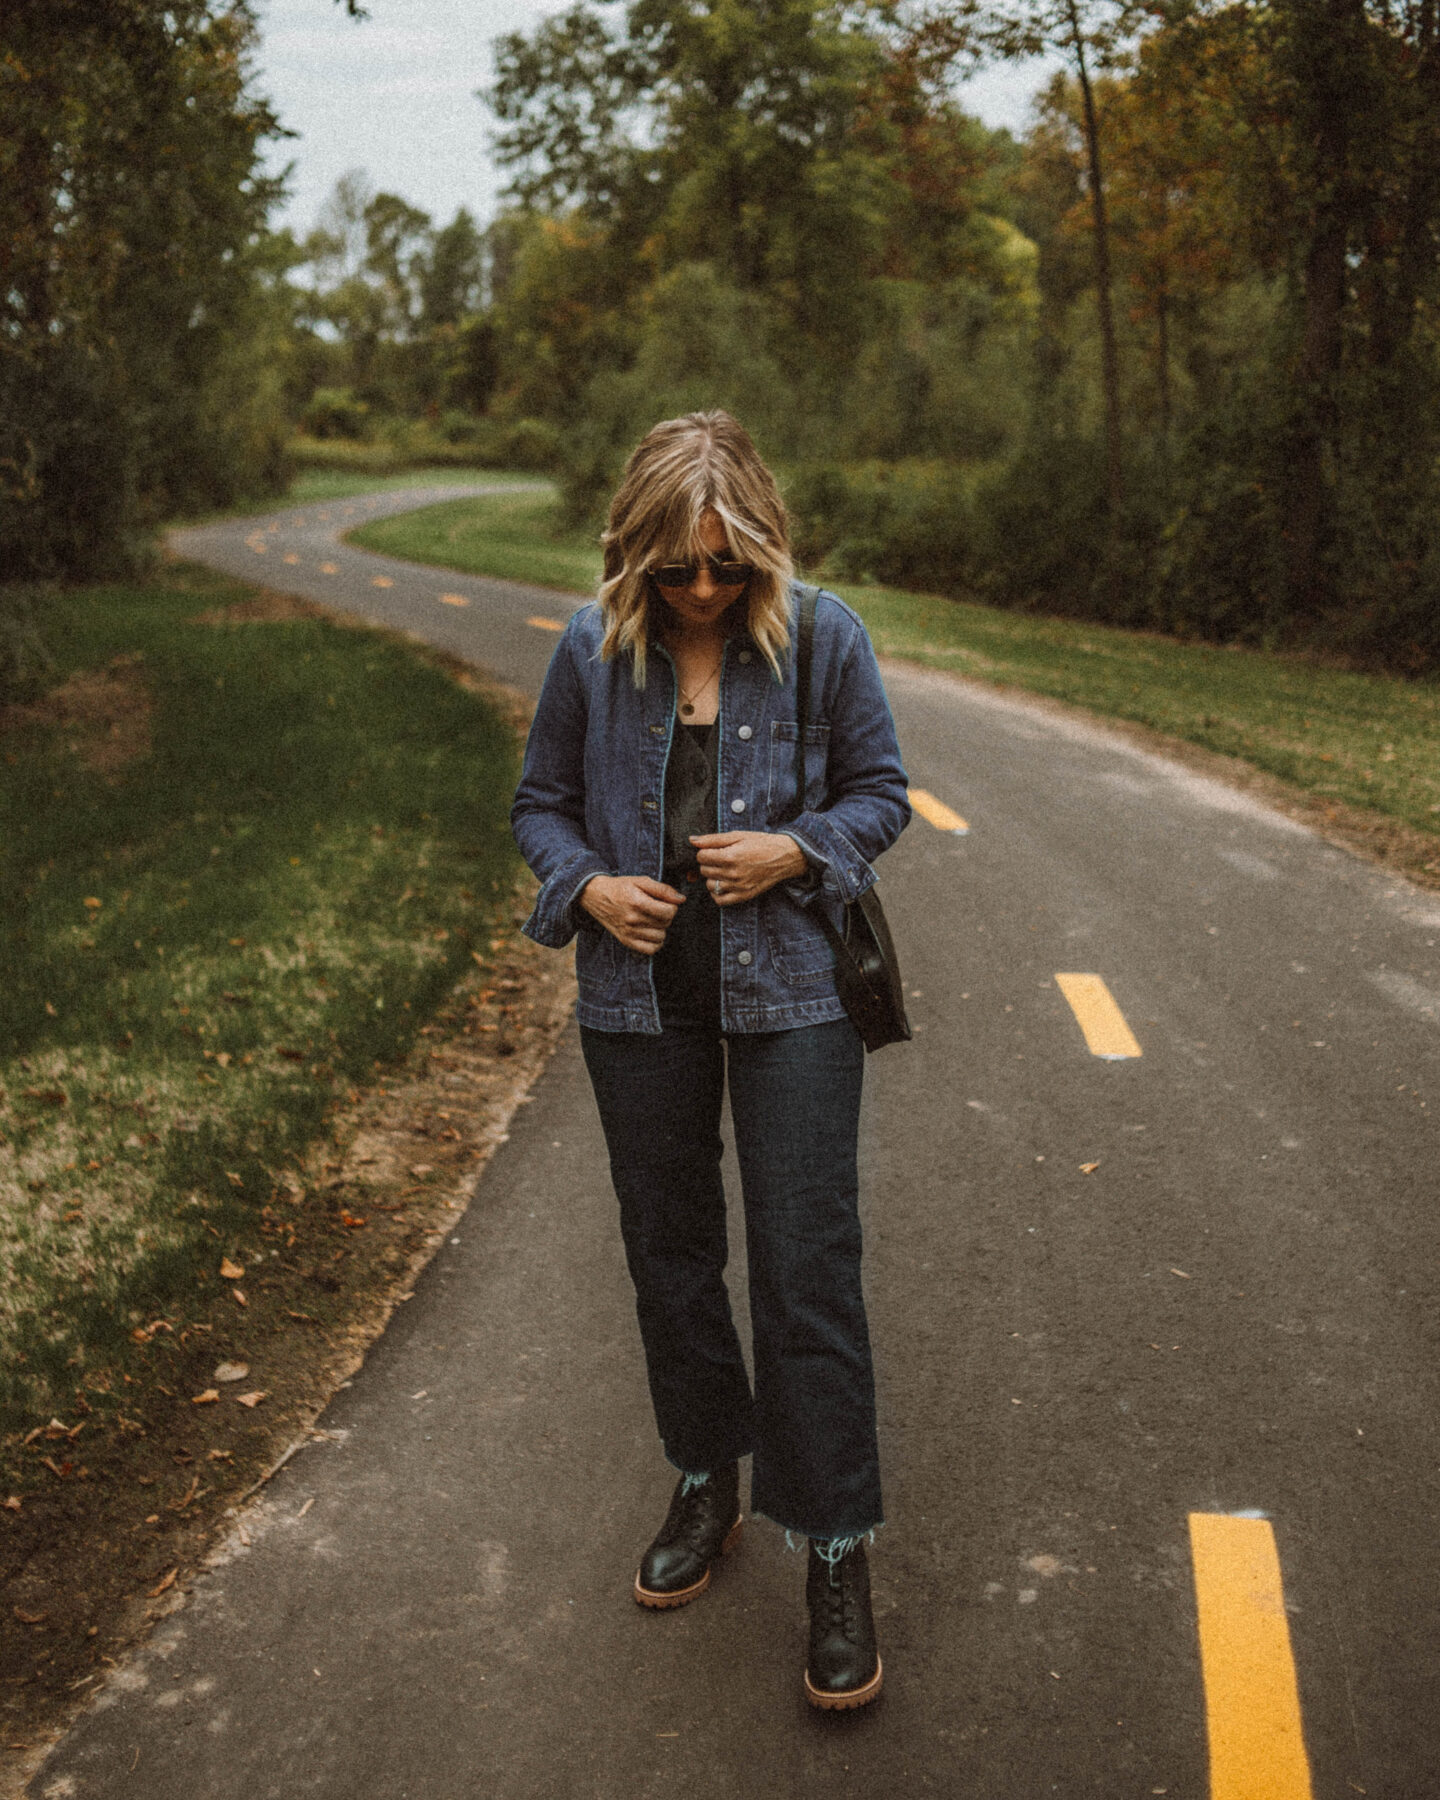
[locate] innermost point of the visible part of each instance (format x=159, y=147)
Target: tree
x=1092, y=35
x=722, y=132
x=137, y=312
x=452, y=277
x=1330, y=111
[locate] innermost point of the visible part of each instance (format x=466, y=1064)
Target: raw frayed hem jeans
x=795, y=1102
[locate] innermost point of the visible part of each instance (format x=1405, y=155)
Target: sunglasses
x=722, y=572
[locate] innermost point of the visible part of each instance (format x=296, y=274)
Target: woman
x=667, y=713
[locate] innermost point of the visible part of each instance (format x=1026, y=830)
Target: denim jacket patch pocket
x=781, y=800
x=798, y=947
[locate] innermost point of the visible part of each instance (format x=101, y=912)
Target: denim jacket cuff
x=844, y=870
x=553, y=922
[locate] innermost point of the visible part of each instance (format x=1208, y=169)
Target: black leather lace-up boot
x=703, y=1523
x=844, y=1665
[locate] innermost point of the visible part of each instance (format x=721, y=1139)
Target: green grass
x=200, y=950
x=312, y=485
x=1368, y=740
x=514, y=537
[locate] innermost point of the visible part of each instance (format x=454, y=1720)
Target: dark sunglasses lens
x=724, y=574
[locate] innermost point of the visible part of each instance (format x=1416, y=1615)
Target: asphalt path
x=1233, y=1311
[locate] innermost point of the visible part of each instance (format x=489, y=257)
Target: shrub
x=909, y=524
x=336, y=413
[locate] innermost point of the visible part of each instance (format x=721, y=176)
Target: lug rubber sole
x=658, y=1602
x=861, y=1696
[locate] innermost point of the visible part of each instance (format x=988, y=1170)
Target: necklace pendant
x=687, y=709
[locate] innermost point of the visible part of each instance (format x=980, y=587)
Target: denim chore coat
x=592, y=794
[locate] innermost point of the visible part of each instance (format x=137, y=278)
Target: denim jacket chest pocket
x=780, y=800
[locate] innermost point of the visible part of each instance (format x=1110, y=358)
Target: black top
x=687, y=965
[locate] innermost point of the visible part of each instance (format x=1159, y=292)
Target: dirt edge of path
x=1375, y=837
x=372, y=1203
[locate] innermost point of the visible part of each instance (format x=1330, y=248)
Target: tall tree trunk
x=1109, y=358
x=1323, y=33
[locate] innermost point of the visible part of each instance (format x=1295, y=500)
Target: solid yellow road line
x=453, y=600
x=545, y=624
x=1252, y=1700
x=1098, y=1016
x=936, y=811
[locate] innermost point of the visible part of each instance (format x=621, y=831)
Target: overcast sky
x=394, y=95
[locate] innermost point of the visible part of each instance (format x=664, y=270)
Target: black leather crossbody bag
x=867, y=972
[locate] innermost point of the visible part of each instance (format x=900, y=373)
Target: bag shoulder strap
x=804, y=656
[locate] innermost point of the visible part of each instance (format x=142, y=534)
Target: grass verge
x=514, y=537
x=320, y=485
x=1369, y=742
x=243, y=858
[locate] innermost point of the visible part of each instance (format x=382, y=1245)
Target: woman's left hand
x=738, y=865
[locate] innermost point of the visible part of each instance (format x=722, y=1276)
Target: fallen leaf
x=253, y=1400
x=223, y=1058
x=1181, y=1273
x=52, y=1096
x=165, y=1581
x=231, y=1371
x=30, y=1618
x=1089, y=1168
x=92, y=902
x=421, y=1170
x=13, y=1504
x=234, y=1179
x=180, y=1505
x=208, y=1398
x=350, y=1221
x=230, y=1271
x=239, y=1294
x=60, y=1469
x=222, y=1456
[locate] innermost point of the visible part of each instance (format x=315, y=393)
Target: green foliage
x=910, y=524
x=137, y=309
x=336, y=413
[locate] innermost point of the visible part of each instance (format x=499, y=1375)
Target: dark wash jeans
x=795, y=1101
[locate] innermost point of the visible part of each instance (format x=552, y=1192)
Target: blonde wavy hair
x=681, y=469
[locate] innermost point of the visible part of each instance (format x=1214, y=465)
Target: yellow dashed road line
x=545, y=624
x=1252, y=1699
x=937, y=812
x=453, y=600
x=1098, y=1016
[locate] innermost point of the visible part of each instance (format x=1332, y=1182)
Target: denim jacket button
x=744, y=959
x=745, y=733
x=744, y=656
x=737, y=806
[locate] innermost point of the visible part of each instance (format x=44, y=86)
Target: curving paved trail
x=1233, y=1311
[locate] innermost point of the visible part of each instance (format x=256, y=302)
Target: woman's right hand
x=632, y=908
